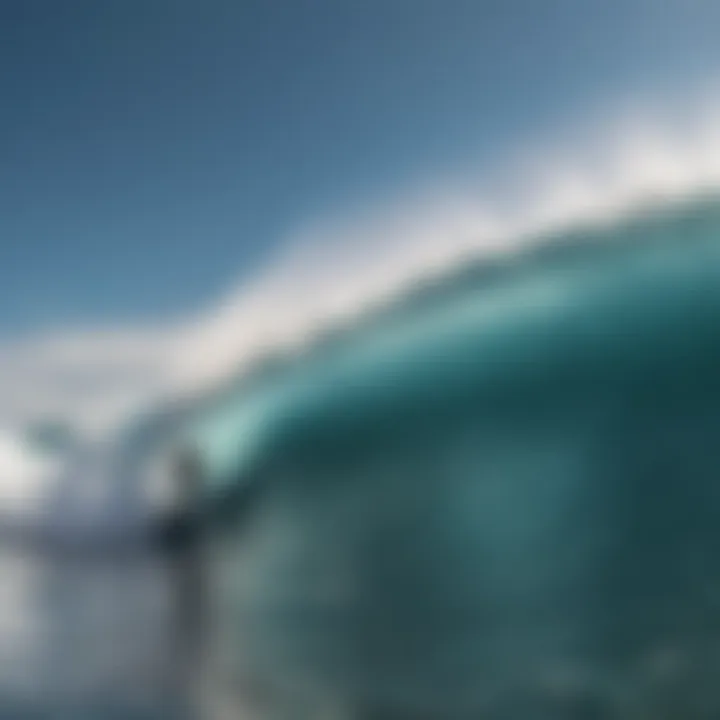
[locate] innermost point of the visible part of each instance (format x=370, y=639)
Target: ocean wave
x=331, y=274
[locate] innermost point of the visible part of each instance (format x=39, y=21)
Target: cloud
x=334, y=269
x=90, y=378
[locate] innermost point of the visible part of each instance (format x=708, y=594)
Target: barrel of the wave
x=506, y=502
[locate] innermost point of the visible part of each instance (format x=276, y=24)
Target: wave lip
x=336, y=270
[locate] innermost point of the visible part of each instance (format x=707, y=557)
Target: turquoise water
x=607, y=300
x=499, y=499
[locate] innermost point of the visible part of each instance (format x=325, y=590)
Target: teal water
x=496, y=499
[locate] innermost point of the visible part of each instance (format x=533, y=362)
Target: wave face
x=529, y=528
x=568, y=287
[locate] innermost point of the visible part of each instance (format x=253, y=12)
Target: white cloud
x=334, y=269
x=90, y=378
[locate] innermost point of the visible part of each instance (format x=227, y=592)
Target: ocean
x=495, y=499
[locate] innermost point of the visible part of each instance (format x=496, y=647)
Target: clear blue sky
x=152, y=151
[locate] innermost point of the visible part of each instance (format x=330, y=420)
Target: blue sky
x=154, y=152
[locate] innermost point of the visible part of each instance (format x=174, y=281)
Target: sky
x=152, y=152
x=158, y=157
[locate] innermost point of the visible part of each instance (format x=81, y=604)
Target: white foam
x=26, y=478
